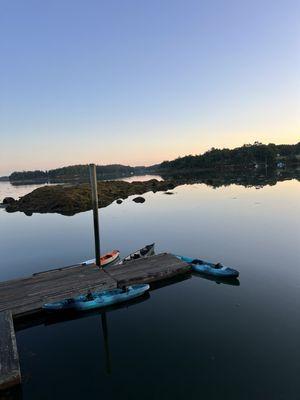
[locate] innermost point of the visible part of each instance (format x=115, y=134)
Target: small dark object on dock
x=139, y=199
x=119, y=201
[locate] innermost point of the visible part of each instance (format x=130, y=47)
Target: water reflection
x=170, y=281
x=42, y=318
x=247, y=178
x=19, y=189
x=106, y=343
x=218, y=280
x=226, y=336
x=49, y=319
x=14, y=393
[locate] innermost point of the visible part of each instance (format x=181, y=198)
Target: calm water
x=194, y=339
x=16, y=191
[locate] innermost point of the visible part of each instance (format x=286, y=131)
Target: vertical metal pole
x=93, y=179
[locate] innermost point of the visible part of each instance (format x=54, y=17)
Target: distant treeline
x=74, y=172
x=247, y=156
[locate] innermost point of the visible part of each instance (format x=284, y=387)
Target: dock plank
x=9, y=360
x=27, y=295
x=152, y=269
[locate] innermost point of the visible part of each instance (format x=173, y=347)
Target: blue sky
x=138, y=82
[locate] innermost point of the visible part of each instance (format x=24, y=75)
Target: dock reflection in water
x=62, y=317
x=218, y=280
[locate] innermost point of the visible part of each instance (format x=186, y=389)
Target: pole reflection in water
x=106, y=343
x=14, y=393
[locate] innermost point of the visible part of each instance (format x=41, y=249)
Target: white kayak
x=146, y=251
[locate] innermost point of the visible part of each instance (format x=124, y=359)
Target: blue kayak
x=208, y=268
x=98, y=299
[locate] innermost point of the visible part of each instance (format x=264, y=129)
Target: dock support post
x=9, y=359
x=93, y=179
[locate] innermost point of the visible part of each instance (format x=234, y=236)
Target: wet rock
x=119, y=201
x=139, y=199
x=9, y=200
x=172, y=185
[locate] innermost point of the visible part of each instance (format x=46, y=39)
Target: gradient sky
x=137, y=81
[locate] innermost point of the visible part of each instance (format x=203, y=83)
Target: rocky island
x=72, y=199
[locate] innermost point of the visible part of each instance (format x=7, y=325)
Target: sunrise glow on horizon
x=137, y=83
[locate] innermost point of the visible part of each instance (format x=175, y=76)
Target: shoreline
x=72, y=198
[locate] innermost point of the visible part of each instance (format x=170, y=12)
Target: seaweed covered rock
x=69, y=200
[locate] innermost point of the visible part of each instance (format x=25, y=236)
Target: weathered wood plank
x=31, y=293
x=14, y=292
x=35, y=302
x=148, y=270
x=23, y=282
x=9, y=360
x=38, y=289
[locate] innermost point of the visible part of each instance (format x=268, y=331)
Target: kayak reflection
x=55, y=319
x=218, y=280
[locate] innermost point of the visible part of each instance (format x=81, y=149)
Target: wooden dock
x=147, y=270
x=9, y=360
x=25, y=297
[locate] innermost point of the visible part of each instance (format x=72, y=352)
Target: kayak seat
x=197, y=261
x=218, y=266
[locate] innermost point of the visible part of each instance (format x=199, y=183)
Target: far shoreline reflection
x=257, y=178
